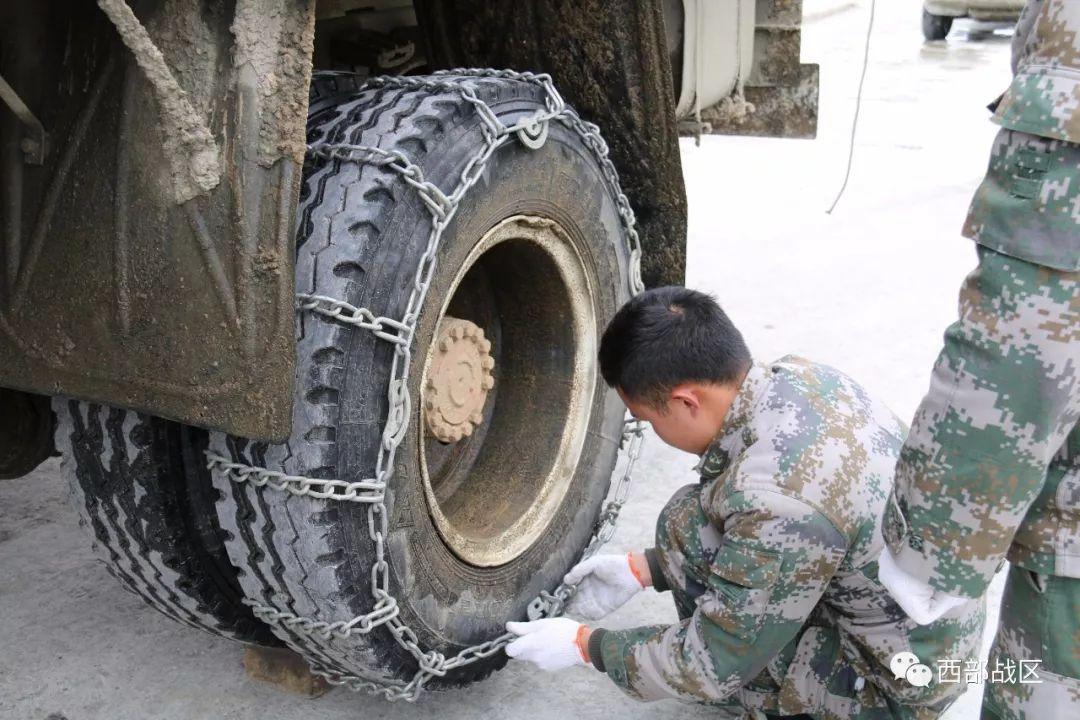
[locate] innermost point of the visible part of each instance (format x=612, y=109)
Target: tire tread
x=130, y=507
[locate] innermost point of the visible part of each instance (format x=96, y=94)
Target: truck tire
x=142, y=491
x=362, y=232
x=935, y=27
x=331, y=87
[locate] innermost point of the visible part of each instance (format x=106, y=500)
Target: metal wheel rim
x=509, y=541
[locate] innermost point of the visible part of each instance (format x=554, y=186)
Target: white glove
x=551, y=644
x=922, y=603
x=604, y=583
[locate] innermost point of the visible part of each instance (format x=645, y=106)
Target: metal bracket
x=534, y=136
x=35, y=146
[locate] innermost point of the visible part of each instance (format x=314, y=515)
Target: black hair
x=667, y=336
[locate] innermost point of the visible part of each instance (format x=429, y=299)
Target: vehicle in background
x=938, y=15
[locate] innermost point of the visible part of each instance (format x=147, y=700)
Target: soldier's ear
x=687, y=396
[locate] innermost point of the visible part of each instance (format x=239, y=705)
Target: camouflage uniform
x=771, y=561
x=990, y=469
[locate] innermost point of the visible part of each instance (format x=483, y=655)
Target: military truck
x=312, y=316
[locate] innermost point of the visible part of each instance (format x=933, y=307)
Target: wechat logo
x=905, y=665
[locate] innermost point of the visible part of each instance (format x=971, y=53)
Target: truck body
x=147, y=238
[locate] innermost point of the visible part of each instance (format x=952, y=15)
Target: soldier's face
x=684, y=422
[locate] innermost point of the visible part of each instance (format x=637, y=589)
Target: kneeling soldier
x=772, y=558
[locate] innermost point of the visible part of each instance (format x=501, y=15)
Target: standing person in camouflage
x=991, y=469
x=771, y=558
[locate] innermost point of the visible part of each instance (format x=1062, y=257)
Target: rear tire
x=143, y=493
x=362, y=232
x=935, y=27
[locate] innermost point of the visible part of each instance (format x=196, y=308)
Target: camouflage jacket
x=796, y=483
x=1044, y=97
x=1029, y=204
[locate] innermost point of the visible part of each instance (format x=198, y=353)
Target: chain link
x=363, y=491
x=530, y=130
x=361, y=317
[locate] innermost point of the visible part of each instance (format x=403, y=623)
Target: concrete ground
x=868, y=289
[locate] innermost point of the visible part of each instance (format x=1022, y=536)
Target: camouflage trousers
x=809, y=678
x=983, y=471
x=991, y=469
x=1040, y=611
x=1036, y=654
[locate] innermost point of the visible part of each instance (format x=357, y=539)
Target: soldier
x=771, y=558
x=991, y=469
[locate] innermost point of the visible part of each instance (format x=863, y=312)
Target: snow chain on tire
x=532, y=132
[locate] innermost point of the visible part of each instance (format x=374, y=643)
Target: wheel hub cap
x=458, y=380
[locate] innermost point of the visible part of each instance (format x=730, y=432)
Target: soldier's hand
x=922, y=603
x=550, y=644
x=604, y=583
